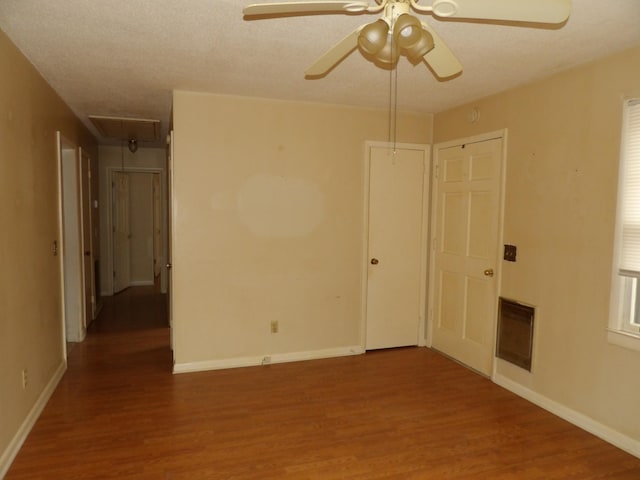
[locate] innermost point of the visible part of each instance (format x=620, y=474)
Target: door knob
x=489, y=272
x=374, y=261
x=169, y=265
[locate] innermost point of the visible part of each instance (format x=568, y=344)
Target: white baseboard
x=9, y=455
x=266, y=359
x=620, y=440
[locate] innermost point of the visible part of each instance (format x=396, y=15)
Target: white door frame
x=502, y=134
x=170, y=236
x=424, y=236
x=109, y=220
x=87, y=224
x=72, y=297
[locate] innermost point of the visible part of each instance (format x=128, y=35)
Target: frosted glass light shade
x=390, y=52
x=407, y=30
x=421, y=47
x=373, y=37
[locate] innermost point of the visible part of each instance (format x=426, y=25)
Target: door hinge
x=436, y=172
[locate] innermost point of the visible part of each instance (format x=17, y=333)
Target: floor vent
x=515, y=333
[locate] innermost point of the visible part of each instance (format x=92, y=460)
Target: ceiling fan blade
x=334, y=55
x=440, y=58
x=303, y=8
x=537, y=11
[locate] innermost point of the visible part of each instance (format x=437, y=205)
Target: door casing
x=87, y=237
x=424, y=234
x=69, y=246
x=108, y=288
x=170, y=235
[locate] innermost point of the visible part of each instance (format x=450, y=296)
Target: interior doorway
x=88, y=248
x=71, y=241
x=137, y=227
x=397, y=186
x=121, y=231
x=467, y=218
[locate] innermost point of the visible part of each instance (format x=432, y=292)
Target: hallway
x=410, y=413
x=99, y=405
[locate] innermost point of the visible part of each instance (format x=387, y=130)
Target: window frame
x=624, y=314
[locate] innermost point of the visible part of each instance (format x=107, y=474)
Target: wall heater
x=515, y=333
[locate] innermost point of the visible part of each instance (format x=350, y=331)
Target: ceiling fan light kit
x=407, y=30
x=385, y=44
x=423, y=46
x=389, y=53
x=373, y=37
x=398, y=32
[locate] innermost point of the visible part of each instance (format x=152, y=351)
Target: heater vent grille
x=515, y=333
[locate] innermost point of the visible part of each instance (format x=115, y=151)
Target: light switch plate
x=510, y=253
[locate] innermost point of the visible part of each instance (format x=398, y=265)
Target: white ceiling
x=124, y=57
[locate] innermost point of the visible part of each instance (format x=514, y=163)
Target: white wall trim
x=592, y=426
x=9, y=455
x=623, y=339
x=266, y=359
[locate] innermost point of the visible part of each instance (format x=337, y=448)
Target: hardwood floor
x=395, y=414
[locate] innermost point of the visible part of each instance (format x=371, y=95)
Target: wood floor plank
x=119, y=413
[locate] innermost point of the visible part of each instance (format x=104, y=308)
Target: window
x=624, y=325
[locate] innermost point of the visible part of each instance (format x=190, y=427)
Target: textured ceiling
x=124, y=57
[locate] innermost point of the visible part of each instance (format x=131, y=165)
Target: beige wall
x=144, y=160
x=31, y=330
x=563, y=148
x=268, y=202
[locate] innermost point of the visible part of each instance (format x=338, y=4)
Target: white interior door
x=396, y=275
x=87, y=238
x=465, y=258
x=157, y=225
x=121, y=232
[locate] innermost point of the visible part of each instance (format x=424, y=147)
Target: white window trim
x=617, y=333
x=624, y=339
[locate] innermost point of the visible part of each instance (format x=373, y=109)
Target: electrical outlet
x=274, y=326
x=24, y=379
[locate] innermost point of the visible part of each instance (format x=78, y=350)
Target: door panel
x=121, y=232
x=157, y=226
x=395, y=282
x=466, y=228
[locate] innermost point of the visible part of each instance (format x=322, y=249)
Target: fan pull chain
x=390, y=119
x=395, y=109
x=393, y=93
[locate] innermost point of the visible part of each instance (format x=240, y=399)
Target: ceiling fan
x=398, y=32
